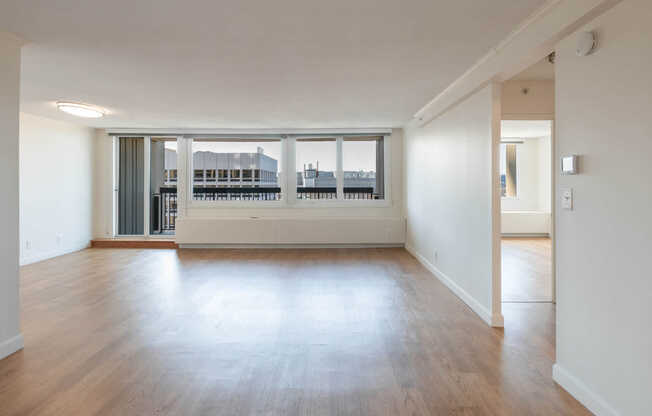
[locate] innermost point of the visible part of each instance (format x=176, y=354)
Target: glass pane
x=235, y=161
x=163, y=185
x=362, y=165
x=316, y=166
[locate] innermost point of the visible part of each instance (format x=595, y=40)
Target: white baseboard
x=581, y=392
x=301, y=246
x=494, y=320
x=34, y=258
x=526, y=235
x=11, y=345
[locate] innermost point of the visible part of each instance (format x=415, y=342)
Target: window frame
x=287, y=176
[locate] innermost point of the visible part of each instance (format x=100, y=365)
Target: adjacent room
x=526, y=182
x=335, y=208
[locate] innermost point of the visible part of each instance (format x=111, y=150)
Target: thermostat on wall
x=569, y=165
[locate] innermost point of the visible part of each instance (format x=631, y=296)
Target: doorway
x=526, y=211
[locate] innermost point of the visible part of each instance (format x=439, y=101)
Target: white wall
x=545, y=174
x=537, y=104
x=10, y=338
x=533, y=167
x=604, y=284
x=529, y=212
x=56, y=187
x=451, y=193
x=103, y=186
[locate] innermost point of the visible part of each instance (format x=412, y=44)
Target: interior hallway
x=527, y=269
x=280, y=332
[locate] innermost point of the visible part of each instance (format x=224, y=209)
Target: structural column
x=11, y=339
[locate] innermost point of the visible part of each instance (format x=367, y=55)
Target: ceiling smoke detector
x=585, y=44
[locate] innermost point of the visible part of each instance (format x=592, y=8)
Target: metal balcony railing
x=164, y=203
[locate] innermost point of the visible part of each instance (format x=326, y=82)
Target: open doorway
x=526, y=212
x=526, y=180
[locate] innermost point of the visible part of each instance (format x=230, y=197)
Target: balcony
x=164, y=203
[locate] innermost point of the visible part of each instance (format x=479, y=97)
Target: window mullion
x=340, y=174
x=289, y=170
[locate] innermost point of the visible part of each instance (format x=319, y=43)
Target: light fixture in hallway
x=80, y=110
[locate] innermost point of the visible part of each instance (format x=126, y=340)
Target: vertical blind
x=131, y=183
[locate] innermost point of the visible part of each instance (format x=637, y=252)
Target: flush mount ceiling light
x=80, y=110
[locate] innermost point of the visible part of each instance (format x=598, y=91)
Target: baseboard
x=131, y=243
x=581, y=392
x=290, y=246
x=525, y=235
x=53, y=253
x=11, y=345
x=494, y=320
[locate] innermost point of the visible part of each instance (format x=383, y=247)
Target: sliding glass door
x=146, y=186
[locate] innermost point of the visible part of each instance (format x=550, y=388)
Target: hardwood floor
x=269, y=332
x=527, y=269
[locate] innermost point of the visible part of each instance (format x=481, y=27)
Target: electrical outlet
x=435, y=256
x=59, y=239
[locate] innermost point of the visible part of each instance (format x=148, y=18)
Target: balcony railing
x=164, y=204
x=259, y=193
x=164, y=211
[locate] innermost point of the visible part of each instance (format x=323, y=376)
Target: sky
x=356, y=155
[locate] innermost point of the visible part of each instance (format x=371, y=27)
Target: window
x=363, y=167
x=316, y=167
x=237, y=162
x=508, y=174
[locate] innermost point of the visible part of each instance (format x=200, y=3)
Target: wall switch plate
x=567, y=199
x=28, y=245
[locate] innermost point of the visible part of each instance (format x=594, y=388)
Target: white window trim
x=288, y=185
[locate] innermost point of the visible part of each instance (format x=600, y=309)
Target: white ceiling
x=523, y=129
x=251, y=63
x=541, y=71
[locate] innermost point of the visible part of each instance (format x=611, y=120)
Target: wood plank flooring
x=527, y=269
x=269, y=332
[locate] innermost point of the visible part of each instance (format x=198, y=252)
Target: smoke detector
x=585, y=43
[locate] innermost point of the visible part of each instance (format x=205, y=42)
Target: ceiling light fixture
x=80, y=110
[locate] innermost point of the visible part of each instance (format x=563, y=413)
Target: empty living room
x=292, y=207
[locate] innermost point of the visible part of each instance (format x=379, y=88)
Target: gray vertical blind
x=131, y=183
